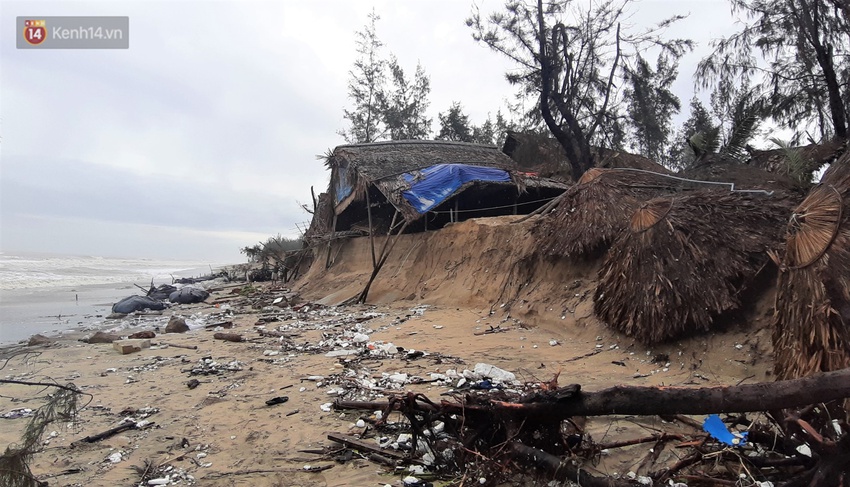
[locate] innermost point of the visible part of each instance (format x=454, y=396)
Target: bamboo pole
x=384, y=254
x=371, y=229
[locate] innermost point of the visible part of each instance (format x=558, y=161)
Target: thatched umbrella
x=812, y=314
x=685, y=260
x=592, y=212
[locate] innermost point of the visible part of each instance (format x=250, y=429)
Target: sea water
x=50, y=294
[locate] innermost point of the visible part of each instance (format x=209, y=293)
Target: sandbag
x=162, y=292
x=131, y=304
x=188, y=295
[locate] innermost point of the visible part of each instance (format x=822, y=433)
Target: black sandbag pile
x=131, y=304
x=188, y=295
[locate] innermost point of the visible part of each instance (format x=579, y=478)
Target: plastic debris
x=714, y=426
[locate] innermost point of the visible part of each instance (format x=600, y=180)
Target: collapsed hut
x=591, y=213
x=811, y=330
x=686, y=259
x=416, y=185
x=428, y=184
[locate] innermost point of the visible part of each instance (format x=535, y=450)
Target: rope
x=494, y=207
x=698, y=181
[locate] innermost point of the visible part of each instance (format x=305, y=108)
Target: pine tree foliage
x=797, y=52
x=365, y=85
x=397, y=111
x=651, y=105
x=454, y=124
x=403, y=107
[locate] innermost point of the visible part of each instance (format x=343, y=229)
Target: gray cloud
x=205, y=131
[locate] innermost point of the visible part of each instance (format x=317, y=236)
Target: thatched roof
x=545, y=155
x=385, y=164
x=815, y=155
x=592, y=212
x=812, y=312
x=743, y=176
x=379, y=160
x=685, y=260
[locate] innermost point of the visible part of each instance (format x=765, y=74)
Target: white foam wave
x=22, y=271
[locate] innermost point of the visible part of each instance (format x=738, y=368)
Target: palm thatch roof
x=592, y=212
x=544, y=154
x=812, y=313
x=813, y=155
x=384, y=164
x=685, y=259
x=744, y=176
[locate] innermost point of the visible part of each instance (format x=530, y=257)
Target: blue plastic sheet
x=343, y=186
x=435, y=184
x=714, y=426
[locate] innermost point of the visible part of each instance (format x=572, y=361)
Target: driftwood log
x=662, y=400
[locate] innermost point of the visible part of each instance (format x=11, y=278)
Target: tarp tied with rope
x=431, y=186
x=415, y=177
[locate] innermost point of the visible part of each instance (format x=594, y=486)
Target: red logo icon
x=35, y=31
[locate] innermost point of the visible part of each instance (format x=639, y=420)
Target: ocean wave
x=24, y=271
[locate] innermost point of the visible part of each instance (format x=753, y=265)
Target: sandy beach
x=222, y=432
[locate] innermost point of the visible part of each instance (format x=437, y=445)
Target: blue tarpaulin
x=714, y=426
x=431, y=186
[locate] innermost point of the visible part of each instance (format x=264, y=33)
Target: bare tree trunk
x=660, y=400
x=813, y=23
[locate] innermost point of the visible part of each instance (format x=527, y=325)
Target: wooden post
x=457, y=215
x=385, y=252
x=371, y=230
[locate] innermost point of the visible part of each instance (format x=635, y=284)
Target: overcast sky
x=202, y=137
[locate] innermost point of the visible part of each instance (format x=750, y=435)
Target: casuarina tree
x=798, y=53
x=569, y=56
x=365, y=85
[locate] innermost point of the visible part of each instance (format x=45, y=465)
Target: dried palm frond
x=593, y=211
x=812, y=311
x=685, y=260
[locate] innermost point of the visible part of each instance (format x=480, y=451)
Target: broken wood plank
x=229, y=337
x=358, y=444
x=223, y=324
x=114, y=431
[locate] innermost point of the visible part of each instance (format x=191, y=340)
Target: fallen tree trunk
x=654, y=400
